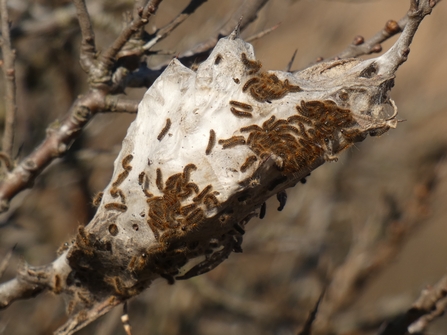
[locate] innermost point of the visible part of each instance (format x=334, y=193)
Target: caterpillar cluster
x=318, y=130
x=264, y=87
x=168, y=217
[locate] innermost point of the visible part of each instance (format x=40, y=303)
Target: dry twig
x=10, y=81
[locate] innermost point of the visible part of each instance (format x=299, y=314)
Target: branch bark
x=10, y=81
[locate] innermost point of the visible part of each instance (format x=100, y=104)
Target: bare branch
x=115, y=104
x=164, y=32
x=88, y=48
x=431, y=303
x=263, y=33
x=108, y=58
x=9, y=72
x=59, y=138
x=360, y=47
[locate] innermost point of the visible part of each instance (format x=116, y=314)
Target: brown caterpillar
x=210, y=201
x=141, y=178
x=253, y=127
x=202, y=194
x=232, y=142
x=159, y=180
x=248, y=162
x=218, y=59
x=240, y=113
x=97, y=199
x=173, y=182
x=126, y=161
x=195, y=216
x=123, y=175
x=187, y=172
x=241, y=105
x=113, y=229
x=165, y=129
x=193, y=186
x=116, y=206
x=211, y=142
x=252, y=65
x=250, y=82
x=116, y=192
x=188, y=208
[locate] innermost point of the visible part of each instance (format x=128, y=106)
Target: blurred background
x=371, y=228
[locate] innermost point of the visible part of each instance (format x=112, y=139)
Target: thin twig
x=420, y=313
x=9, y=72
x=88, y=48
x=289, y=66
x=262, y=33
x=164, y=32
x=115, y=104
x=307, y=328
x=108, y=58
x=373, y=45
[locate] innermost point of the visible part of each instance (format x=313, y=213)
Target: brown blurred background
x=372, y=228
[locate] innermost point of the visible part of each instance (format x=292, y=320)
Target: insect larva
x=266, y=125
x=290, y=128
x=299, y=118
x=57, y=286
x=211, y=142
x=210, y=201
x=187, y=172
x=165, y=129
x=253, y=127
x=282, y=198
x=147, y=193
x=123, y=175
x=116, y=192
x=291, y=88
x=253, y=66
x=232, y=142
x=97, y=199
x=241, y=105
x=193, y=186
x=113, y=229
x=186, y=193
x=195, y=216
x=236, y=80
x=186, y=209
x=141, y=178
x=239, y=113
x=116, y=206
x=172, y=181
x=218, y=59
x=278, y=123
x=250, y=82
x=154, y=230
x=159, y=180
x=126, y=161
x=248, y=162
x=156, y=221
x=200, y=196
